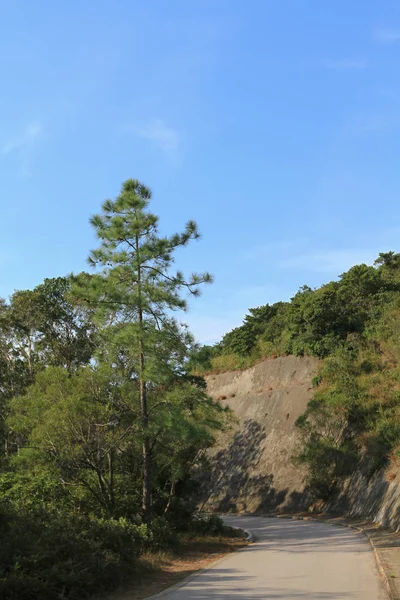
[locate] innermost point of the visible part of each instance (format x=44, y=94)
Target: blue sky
x=275, y=124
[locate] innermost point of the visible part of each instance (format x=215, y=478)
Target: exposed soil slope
x=251, y=467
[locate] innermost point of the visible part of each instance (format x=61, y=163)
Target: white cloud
x=345, y=64
x=387, y=36
x=334, y=261
x=22, y=145
x=162, y=137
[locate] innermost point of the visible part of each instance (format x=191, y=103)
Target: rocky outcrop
x=251, y=467
x=376, y=497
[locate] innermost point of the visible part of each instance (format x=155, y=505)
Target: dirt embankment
x=251, y=467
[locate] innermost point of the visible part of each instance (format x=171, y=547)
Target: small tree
x=68, y=424
x=134, y=295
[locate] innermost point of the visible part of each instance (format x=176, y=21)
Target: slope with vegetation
x=352, y=423
x=100, y=423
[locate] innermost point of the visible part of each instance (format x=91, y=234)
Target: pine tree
x=135, y=292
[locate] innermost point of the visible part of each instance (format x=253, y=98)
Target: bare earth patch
x=156, y=572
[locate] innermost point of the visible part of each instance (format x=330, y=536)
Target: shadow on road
x=220, y=583
x=291, y=560
x=285, y=535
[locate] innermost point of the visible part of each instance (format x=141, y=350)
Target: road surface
x=291, y=560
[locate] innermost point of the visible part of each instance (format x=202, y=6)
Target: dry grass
x=233, y=363
x=157, y=571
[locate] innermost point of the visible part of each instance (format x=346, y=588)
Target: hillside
x=251, y=467
x=348, y=425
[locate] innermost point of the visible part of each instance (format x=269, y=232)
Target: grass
x=233, y=362
x=157, y=571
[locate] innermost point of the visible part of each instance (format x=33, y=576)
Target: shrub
x=49, y=556
x=162, y=534
x=212, y=525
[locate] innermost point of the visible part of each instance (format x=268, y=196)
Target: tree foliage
x=100, y=422
x=316, y=322
x=133, y=296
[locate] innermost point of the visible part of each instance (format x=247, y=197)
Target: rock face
x=251, y=467
x=375, y=498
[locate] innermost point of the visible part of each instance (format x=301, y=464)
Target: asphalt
x=290, y=560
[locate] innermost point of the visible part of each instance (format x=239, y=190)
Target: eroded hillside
x=251, y=467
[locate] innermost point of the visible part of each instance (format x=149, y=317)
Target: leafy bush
x=353, y=420
x=162, y=535
x=211, y=525
x=49, y=556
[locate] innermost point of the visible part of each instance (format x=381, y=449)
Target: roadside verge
x=157, y=574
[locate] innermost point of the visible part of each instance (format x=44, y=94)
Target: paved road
x=291, y=560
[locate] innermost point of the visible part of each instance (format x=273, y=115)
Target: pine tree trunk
x=111, y=480
x=146, y=474
x=170, y=497
x=146, y=452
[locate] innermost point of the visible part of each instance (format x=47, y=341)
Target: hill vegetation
x=100, y=423
x=103, y=412
x=353, y=326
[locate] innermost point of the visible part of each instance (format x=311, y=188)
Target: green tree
x=391, y=260
x=242, y=340
x=134, y=293
x=66, y=328
x=40, y=327
x=77, y=425
x=200, y=358
x=81, y=427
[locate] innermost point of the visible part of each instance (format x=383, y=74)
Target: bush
x=50, y=557
x=162, y=535
x=212, y=525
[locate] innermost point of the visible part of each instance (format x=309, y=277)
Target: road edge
x=250, y=537
x=387, y=580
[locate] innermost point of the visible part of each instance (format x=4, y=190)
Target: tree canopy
x=316, y=322
x=99, y=417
